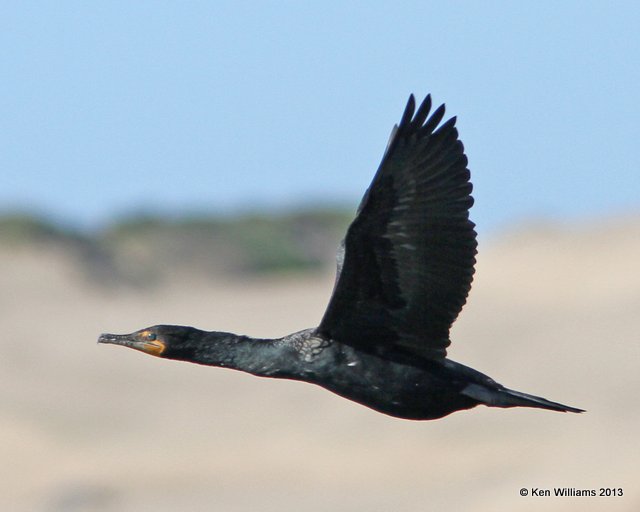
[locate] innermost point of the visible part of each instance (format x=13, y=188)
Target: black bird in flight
x=405, y=268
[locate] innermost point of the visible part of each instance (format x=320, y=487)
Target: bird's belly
x=392, y=388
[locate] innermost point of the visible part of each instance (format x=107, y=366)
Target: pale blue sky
x=116, y=107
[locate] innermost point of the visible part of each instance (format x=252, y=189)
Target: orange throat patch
x=154, y=348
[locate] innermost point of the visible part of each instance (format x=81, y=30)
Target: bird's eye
x=151, y=336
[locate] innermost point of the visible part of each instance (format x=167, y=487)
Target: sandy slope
x=554, y=312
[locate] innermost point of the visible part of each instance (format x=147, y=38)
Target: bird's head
x=169, y=341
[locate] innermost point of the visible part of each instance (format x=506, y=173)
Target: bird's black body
x=404, y=271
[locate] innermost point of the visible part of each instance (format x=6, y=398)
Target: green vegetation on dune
x=19, y=227
x=145, y=249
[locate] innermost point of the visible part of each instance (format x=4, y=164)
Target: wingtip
x=434, y=120
x=440, y=111
x=423, y=112
x=408, y=111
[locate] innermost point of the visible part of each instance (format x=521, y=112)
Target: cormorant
x=404, y=271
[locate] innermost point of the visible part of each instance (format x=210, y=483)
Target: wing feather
x=409, y=254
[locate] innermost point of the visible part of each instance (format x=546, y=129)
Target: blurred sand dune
x=554, y=311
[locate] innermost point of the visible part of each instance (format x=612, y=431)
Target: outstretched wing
x=409, y=254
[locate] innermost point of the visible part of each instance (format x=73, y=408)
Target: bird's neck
x=259, y=356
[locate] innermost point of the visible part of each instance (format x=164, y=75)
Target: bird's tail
x=504, y=397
